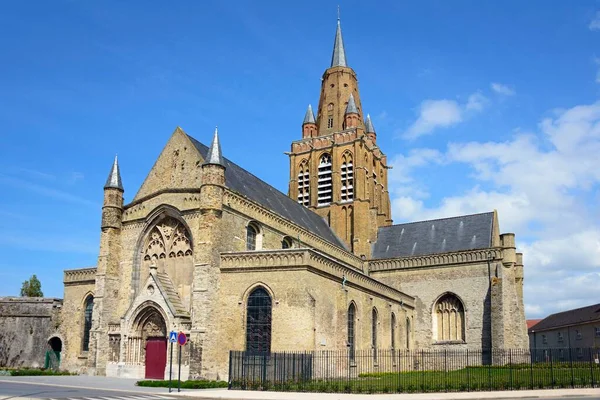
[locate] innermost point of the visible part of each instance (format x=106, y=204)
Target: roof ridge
x=575, y=309
x=438, y=219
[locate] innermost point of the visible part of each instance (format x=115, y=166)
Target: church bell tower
x=337, y=169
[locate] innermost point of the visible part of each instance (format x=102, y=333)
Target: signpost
x=172, y=339
x=181, y=340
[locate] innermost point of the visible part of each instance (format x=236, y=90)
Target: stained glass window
x=258, y=322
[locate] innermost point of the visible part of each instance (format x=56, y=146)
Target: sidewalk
x=128, y=385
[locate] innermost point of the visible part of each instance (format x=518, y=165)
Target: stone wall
x=27, y=324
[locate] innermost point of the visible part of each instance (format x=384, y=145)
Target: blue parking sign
x=173, y=337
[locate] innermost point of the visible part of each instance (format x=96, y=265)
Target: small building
x=577, y=329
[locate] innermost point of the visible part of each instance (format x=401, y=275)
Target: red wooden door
x=156, y=358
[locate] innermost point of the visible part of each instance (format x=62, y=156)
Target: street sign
x=181, y=338
x=173, y=337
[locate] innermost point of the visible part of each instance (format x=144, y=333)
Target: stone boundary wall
x=26, y=325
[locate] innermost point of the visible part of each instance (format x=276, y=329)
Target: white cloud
x=435, y=114
x=544, y=185
x=502, y=89
x=595, y=23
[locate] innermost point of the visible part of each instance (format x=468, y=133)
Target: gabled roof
x=577, y=316
x=532, y=322
x=466, y=232
x=243, y=182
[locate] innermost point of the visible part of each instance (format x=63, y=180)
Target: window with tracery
x=351, y=330
x=304, y=184
x=168, y=239
x=324, y=180
x=258, y=322
x=347, y=176
x=449, y=319
x=408, y=333
x=87, y=322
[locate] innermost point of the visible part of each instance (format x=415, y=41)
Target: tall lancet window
x=303, y=184
x=347, y=176
x=258, y=322
x=449, y=319
x=324, y=182
x=87, y=322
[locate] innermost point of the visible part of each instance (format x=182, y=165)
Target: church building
x=208, y=249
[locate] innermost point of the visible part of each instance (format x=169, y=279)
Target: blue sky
x=478, y=105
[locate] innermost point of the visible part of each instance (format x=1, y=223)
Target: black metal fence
x=401, y=371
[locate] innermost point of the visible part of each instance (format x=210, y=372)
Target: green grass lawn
x=467, y=379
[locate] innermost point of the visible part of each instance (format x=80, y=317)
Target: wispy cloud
x=46, y=191
x=595, y=23
x=444, y=113
x=504, y=90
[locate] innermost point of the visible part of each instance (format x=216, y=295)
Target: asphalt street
x=10, y=390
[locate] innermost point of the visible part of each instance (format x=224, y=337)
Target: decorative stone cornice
x=80, y=276
x=254, y=210
x=314, y=261
x=436, y=260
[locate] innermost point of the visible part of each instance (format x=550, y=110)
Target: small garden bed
x=201, y=384
x=31, y=372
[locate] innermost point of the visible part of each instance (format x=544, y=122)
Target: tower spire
x=351, y=107
x=214, y=152
x=369, y=125
x=309, y=117
x=338, y=59
x=114, y=177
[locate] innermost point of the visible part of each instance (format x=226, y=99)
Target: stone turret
x=204, y=345
x=370, y=129
x=106, y=294
x=351, y=117
x=309, y=125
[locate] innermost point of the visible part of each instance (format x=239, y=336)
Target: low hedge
x=32, y=372
x=201, y=384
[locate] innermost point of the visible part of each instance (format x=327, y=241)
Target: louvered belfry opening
x=258, y=322
x=304, y=184
x=324, y=182
x=347, y=176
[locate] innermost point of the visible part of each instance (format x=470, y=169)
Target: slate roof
x=466, y=232
x=246, y=184
x=572, y=317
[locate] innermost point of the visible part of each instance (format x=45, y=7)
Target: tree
x=32, y=287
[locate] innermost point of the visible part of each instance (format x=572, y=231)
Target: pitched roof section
x=571, y=317
x=246, y=184
x=466, y=232
x=338, y=58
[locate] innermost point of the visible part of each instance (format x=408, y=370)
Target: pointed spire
x=214, y=152
x=309, y=117
x=114, y=177
x=369, y=125
x=338, y=59
x=351, y=107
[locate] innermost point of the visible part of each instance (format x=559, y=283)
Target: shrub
x=201, y=384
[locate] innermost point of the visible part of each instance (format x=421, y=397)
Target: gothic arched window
x=324, y=180
x=286, y=243
x=393, y=331
x=408, y=332
x=449, y=319
x=258, y=322
x=87, y=322
x=351, y=330
x=253, y=238
x=347, y=177
x=304, y=184
x=374, y=332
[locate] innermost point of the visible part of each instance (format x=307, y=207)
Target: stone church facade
x=208, y=249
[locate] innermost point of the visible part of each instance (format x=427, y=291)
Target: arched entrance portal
x=149, y=342
x=52, y=359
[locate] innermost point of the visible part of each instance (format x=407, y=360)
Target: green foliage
x=32, y=372
x=32, y=287
x=202, y=384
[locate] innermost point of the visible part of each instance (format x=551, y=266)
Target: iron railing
x=400, y=371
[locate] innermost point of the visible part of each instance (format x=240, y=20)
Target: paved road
x=10, y=390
